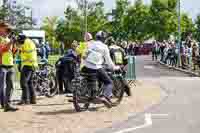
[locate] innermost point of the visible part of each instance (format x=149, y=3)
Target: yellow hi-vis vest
x=29, y=54
x=7, y=57
x=81, y=50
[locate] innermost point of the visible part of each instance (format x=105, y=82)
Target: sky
x=43, y=8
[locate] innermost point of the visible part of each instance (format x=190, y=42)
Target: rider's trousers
x=103, y=77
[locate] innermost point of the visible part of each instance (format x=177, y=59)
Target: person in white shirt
x=98, y=56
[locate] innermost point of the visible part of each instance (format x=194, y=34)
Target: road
x=180, y=107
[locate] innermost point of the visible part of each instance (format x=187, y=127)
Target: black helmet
x=110, y=41
x=101, y=36
x=21, y=38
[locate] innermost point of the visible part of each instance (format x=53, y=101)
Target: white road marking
x=148, y=122
x=149, y=67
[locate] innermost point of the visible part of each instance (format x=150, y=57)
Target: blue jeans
x=104, y=78
x=28, y=91
x=6, y=84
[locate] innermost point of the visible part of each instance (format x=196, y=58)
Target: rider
x=118, y=56
x=97, y=56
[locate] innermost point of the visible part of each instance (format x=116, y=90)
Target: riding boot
x=128, y=91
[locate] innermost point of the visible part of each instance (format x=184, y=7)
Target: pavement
x=178, y=112
x=190, y=72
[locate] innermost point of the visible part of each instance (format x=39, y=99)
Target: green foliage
x=197, y=28
x=69, y=29
x=163, y=18
x=50, y=26
x=118, y=23
x=187, y=25
x=136, y=22
x=3, y=13
x=96, y=17
x=16, y=18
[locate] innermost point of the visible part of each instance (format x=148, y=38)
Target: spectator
x=131, y=49
x=162, y=48
x=166, y=53
x=29, y=63
x=136, y=49
x=183, y=56
x=189, y=55
x=155, y=50
x=195, y=55
x=174, y=56
x=7, y=51
x=44, y=51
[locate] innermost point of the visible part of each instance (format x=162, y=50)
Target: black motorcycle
x=87, y=89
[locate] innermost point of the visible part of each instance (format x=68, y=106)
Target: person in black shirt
x=119, y=58
x=65, y=69
x=162, y=48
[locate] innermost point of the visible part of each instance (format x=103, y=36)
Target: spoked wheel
x=80, y=96
x=118, y=90
x=52, y=86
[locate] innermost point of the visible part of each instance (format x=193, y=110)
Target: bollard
x=131, y=74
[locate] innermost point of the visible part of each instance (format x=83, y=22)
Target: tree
x=3, y=13
x=136, y=22
x=50, y=25
x=118, y=14
x=197, y=28
x=96, y=17
x=73, y=26
x=16, y=17
x=69, y=29
x=187, y=25
x=163, y=18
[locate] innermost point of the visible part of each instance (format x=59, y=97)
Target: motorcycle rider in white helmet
x=98, y=56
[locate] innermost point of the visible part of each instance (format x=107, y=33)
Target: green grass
x=53, y=59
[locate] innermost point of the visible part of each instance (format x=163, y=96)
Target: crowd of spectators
x=171, y=53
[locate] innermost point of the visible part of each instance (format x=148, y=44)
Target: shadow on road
x=45, y=105
x=67, y=111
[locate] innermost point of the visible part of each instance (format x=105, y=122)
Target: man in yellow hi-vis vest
x=7, y=50
x=28, y=63
x=83, y=47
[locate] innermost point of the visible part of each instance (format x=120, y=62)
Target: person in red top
x=7, y=50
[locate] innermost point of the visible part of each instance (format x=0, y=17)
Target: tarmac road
x=179, y=110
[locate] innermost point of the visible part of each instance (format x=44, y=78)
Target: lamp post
x=86, y=6
x=179, y=30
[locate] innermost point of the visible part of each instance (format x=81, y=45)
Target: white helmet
x=88, y=37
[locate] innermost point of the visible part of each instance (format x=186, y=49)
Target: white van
x=35, y=35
